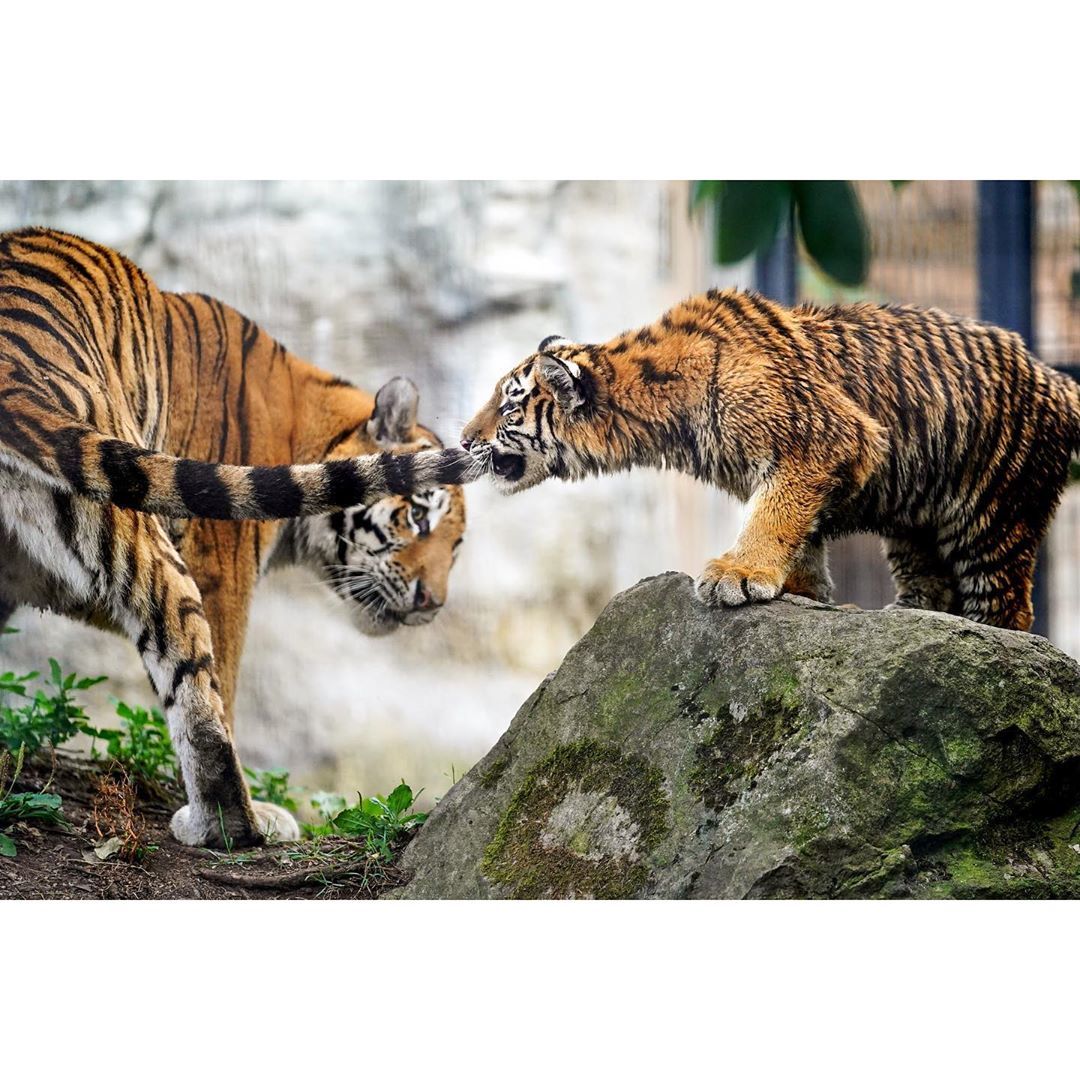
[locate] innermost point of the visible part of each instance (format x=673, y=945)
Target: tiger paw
x=726, y=583
x=276, y=824
x=267, y=824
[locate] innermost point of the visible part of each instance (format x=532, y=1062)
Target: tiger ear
x=395, y=412
x=564, y=378
x=550, y=344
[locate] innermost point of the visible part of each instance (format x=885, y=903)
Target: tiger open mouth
x=507, y=466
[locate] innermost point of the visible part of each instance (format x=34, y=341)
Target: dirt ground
x=53, y=863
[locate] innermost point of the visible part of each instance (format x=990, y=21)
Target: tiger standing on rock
x=124, y=413
x=941, y=434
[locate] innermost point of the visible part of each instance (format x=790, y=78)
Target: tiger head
x=532, y=427
x=390, y=561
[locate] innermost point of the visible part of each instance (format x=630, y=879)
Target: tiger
x=159, y=452
x=941, y=434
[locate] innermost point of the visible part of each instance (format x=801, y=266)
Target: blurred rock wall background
x=449, y=283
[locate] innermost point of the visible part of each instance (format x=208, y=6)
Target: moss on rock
x=582, y=823
x=740, y=740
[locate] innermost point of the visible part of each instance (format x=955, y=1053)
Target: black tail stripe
x=344, y=484
x=128, y=483
x=277, y=493
x=203, y=491
x=399, y=471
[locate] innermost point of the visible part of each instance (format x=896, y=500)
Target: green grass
x=41, y=713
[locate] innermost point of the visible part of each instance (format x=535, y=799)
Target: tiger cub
x=125, y=412
x=943, y=435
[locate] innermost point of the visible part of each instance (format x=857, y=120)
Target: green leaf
x=700, y=190
x=748, y=214
x=354, y=822
x=8, y=630
x=833, y=229
x=7, y=846
x=1076, y=186
x=400, y=799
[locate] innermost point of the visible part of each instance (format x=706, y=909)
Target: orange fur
x=943, y=435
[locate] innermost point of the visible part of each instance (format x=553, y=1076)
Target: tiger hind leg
x=172, y=635
x=922, y=578
x=994, y=584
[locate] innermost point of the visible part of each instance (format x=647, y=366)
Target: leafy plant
x=381, y=822
x=272, y=785
x=24, y=806
x=47, y=716
x=142, y=746
x=827, y=214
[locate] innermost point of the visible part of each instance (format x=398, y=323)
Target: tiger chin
x=942, y=435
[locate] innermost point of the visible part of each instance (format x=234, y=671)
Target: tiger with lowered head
x=943, y=435
x=159, y=451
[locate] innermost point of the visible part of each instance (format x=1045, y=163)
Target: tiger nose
x=423, y=599
x=466, y=443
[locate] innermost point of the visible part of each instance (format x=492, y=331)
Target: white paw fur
x=275, y=823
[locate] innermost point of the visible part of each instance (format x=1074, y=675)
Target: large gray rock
x=784, y=750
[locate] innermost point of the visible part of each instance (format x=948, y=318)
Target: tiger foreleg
x=782, y=515
x=226, y=598
x=996, y=589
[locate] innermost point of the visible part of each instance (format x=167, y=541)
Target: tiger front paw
x=727, y=583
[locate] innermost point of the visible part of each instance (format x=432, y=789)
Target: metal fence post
x=774, y=270
x=1006, y=269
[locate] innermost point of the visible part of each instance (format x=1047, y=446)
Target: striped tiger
x=127, y=412
x=943, y=435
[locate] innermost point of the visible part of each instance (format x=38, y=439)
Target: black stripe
x=128, y=483
x=189, y=669
x=67, y=447
x=399, y=470
x=277, y=493
x=344, y=484
x=203, y=491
